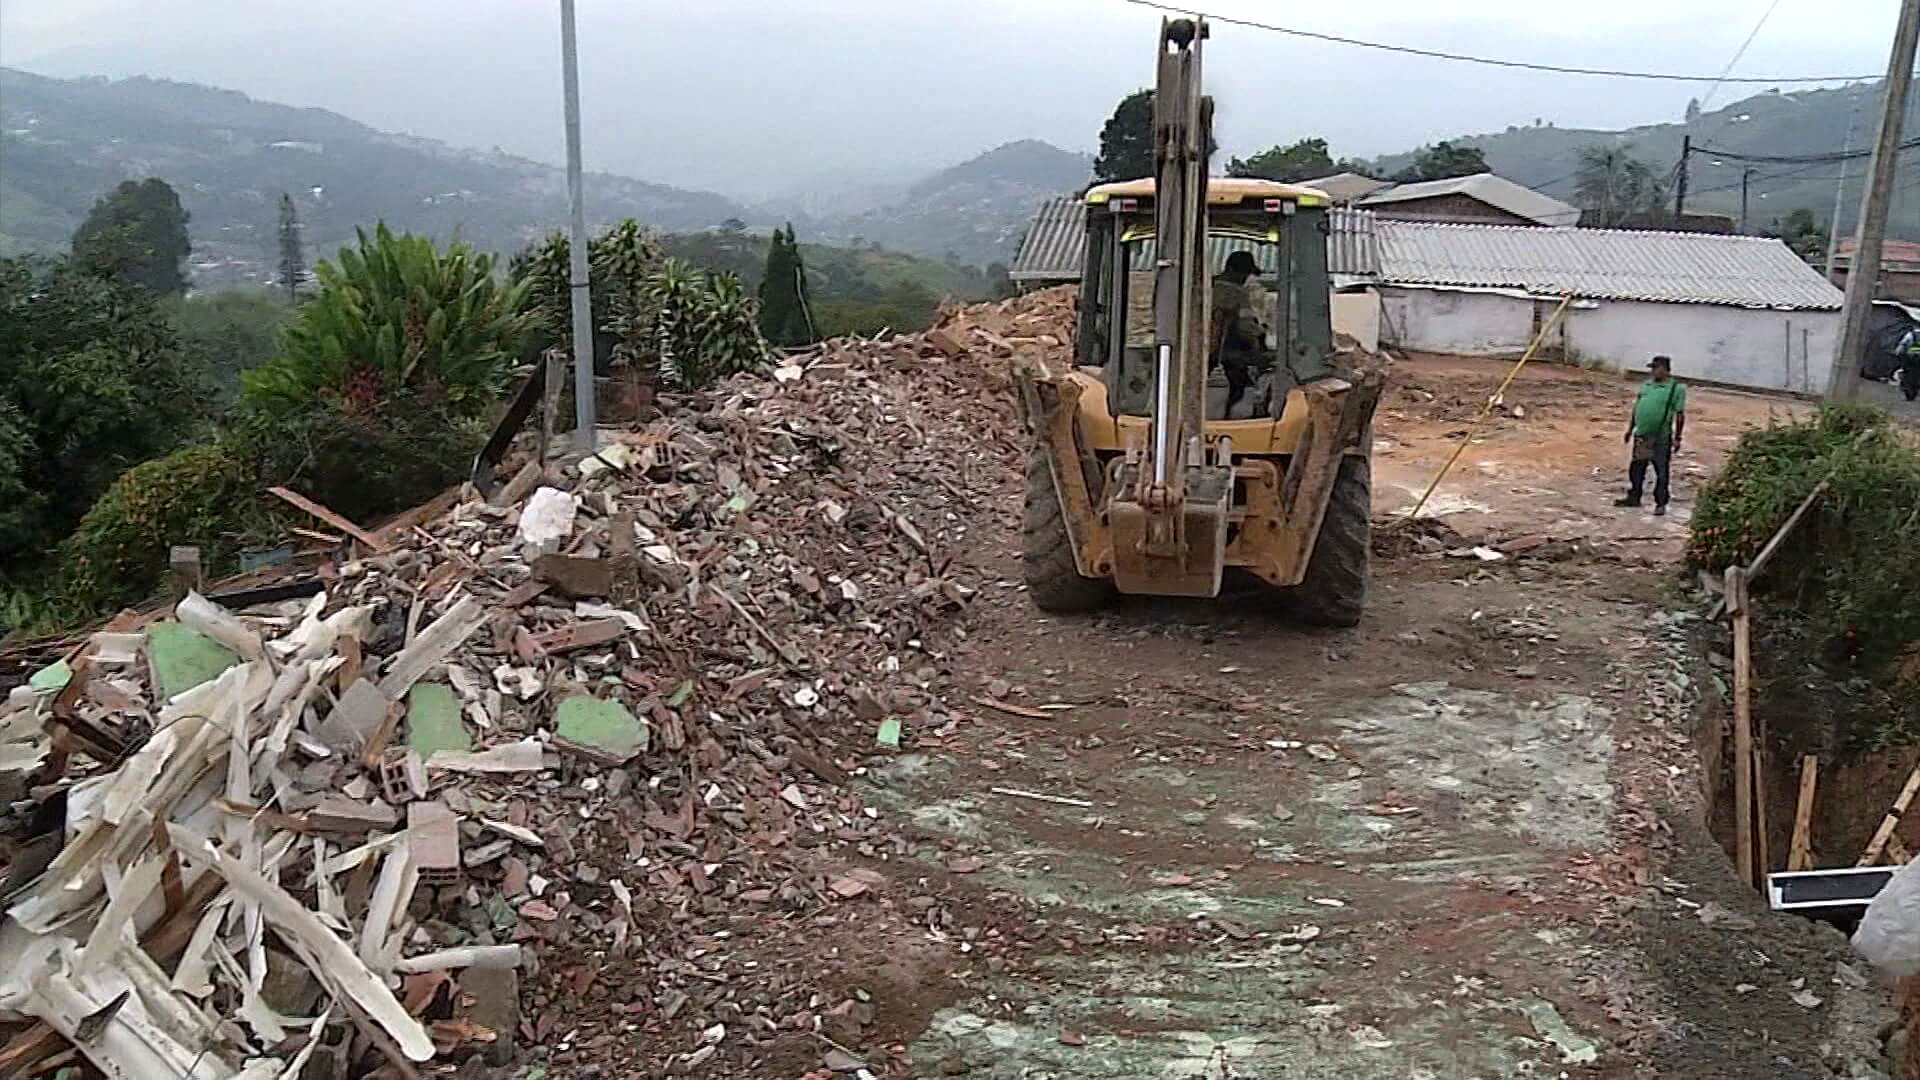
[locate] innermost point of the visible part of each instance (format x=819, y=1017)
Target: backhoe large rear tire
x=1334, y=592
x=1053, y=579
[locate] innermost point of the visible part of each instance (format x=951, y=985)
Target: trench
x=1853, y=791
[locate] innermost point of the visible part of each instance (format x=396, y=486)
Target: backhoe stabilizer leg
x=1049, y=406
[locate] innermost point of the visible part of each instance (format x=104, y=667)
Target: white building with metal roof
x=1740, y=310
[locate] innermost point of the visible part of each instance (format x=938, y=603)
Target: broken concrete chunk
x=182, y=659
x=602, y=731
x=574, y=577
x=355, y=719
x=433, y=721
x=338, y=813
x=547, y=518
x=433, y=837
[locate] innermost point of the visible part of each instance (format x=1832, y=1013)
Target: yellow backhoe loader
x=1203, y=424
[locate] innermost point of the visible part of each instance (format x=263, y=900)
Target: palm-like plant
x=393, y=316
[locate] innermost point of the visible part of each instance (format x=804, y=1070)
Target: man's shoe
x=1660, y=511
x=1628, y=501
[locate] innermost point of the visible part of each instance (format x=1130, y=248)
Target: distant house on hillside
x=1481, y=199
x=1899, y=269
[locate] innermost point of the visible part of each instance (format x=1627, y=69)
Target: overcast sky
x=751, y=97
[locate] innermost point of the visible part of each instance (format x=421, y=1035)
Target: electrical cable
x=1742, y=51
x=1796, y=159
x=1435, y=54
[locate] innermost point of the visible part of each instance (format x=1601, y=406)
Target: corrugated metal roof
x=1054, y=248
x=1495, y=191
x=1602, y=264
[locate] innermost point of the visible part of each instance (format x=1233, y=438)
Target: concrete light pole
x=1863, y=271
x=577, y=269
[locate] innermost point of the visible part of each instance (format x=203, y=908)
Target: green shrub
x=1840, y=599
x=373, y=463
x=209, y=496
x=90, y=383
x=226, y=333
x=395, y=316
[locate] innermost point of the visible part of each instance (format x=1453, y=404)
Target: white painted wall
x=1449, y=321
x=1357, y=315
x=1763, y=349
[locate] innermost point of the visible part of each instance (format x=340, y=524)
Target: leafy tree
x=1612, y=185
x=394, y=317
x=1443, y=161
x=1304, y=160
x=1126, y=141
x=293, y=261
x=138, y=234
x=226, y=333
x=1000, y=284
x=786, y=317
x=1804, y=234
x=90, y=383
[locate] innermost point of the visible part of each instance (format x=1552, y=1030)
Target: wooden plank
x=1762, y=842
x=1780, y=535
x=302, y=502
x=1897, y=853
x=1800, y=852
x=1742, y=726
x=1892, y=821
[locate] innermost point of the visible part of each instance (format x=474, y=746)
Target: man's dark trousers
x=1637, y=473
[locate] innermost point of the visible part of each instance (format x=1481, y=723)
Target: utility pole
x=1680, y=191
x=1840, y=189
x=1746, y=177
x=1863, y=272
x=577, y=272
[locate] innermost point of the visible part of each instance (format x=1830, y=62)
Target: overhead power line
x=1795, y=159
x=1525, y=65
x=1742, y=51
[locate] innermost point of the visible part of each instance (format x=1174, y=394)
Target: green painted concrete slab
x=602, y=730
x=433, y=721
x=183, y=659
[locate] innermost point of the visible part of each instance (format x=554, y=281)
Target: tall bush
x=690, y=325
x=395, y=316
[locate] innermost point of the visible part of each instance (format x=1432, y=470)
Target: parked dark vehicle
x=1887, y=323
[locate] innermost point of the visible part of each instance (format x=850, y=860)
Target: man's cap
x=1242, y=262
x=1662, y=362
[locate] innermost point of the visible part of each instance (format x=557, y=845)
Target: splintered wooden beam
x=1800, y=852
x=1897, y=853
x=331, y=518
x=1742, y=725
x=1892, y=821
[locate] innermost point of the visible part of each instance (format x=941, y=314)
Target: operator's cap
x=1242, y=262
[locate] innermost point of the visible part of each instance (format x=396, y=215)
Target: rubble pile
x=560, y=748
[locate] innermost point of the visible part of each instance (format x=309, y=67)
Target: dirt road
x=1461, y=840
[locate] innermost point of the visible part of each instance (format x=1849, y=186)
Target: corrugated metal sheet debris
x=1603, y=264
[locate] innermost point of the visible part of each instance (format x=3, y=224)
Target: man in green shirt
x=1659, y=421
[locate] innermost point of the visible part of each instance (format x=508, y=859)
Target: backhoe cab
x=1203, y=424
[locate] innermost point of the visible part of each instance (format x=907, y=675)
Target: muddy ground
x=1464, y=839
